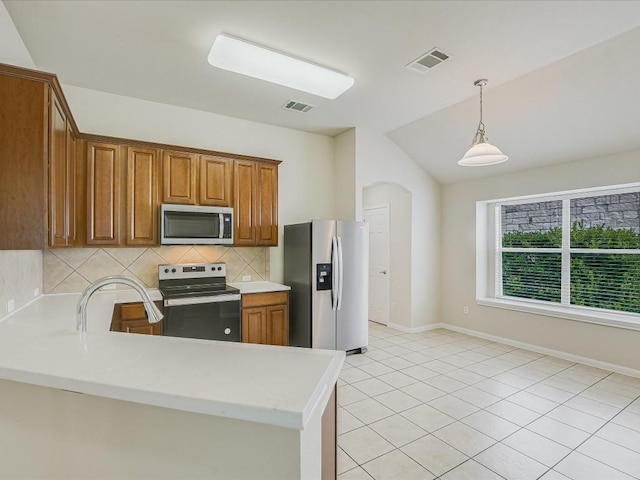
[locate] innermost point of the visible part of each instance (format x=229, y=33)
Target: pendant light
x=481, y=153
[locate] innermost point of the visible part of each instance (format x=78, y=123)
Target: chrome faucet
x=153, y=313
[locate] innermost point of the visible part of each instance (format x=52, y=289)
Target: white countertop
x=259, y=287
x=267, y=384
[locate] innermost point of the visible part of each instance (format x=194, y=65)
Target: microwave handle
x=221, y=230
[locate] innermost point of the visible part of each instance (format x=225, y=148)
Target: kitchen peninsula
x=115, y=405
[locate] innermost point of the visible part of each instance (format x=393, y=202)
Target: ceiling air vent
x=429, y=60
x=297, y=106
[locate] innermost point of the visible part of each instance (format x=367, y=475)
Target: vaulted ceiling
x=563, y=75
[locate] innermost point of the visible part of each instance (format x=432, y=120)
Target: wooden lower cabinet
x=265, y=318
x=329, y=438
x=131, y=318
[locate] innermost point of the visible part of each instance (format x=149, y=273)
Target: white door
x=378, y=220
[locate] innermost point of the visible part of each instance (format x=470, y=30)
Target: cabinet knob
x=227, y=331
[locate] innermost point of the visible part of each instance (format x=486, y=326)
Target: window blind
x=575, y=250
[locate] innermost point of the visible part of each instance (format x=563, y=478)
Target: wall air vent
x=297, y=106
x=431, y=59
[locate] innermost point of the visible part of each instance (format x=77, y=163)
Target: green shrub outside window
x=597, y=280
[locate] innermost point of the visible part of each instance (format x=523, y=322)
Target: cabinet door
x=104, y=177
x=131, y=318
x=24, y=120
x=244, y=194
x=142, y=196
x=139, y=326
x=179, y=171
x=216, y=174
x=277, y=325
x=59, y=177
x=254, y=322
x=267, y=205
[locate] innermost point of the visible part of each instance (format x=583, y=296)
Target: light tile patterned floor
x=442, y=404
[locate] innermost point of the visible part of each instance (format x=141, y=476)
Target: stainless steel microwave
x=195, y=225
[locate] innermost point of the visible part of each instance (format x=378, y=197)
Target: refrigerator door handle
x=340, y=273
x=334, y=273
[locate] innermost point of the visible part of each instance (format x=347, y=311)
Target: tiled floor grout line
x=457, y=367
x=594, y=434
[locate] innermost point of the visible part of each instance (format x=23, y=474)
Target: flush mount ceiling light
x=240, y=56
x=481, y=153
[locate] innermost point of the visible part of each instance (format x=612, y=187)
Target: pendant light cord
x=479, y=136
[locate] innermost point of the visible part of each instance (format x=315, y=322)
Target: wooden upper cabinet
x=244, y=194
x=142, y=184
x=179, y=170
x=59, y=174
x=255, y=203
x=73, y=198
x=216, y=174
x=104, y=180
x=267, y=205
x=23, y=165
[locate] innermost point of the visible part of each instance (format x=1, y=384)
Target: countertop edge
x=264, y=286
x=250, y=413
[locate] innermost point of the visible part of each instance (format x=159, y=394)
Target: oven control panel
x=191, y=270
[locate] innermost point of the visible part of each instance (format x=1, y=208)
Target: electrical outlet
x=246, y=278
x=466, y=310
x=11, y=305
x=36, y=292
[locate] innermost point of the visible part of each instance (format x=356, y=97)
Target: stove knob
x=219, y=268
x=166, y=270
x=213, y=269
x=173, y=270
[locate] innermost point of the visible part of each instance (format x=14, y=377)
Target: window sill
x=630, y=321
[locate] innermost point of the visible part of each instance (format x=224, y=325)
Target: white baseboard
x=632, y=372
x=546, y=351
x=404, y=329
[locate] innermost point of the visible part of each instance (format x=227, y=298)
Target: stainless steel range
x=198, y=303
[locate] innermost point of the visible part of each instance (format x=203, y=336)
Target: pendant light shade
x=481, y=153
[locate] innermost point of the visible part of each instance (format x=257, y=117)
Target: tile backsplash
x=20, y=275
x=70, y=270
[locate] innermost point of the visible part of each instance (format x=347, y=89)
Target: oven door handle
x=174, y=302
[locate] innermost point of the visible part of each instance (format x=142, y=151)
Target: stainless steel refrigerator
x=326, y=265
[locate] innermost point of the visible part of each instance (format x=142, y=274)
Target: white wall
x=345, y=175
x=379, y=160
x=305, y=187
x=20, y=276
x=399, y=201
x=20, y=271
x=12, y=48
x=607, y=344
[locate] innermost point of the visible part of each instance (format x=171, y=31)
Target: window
x=575, y=254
